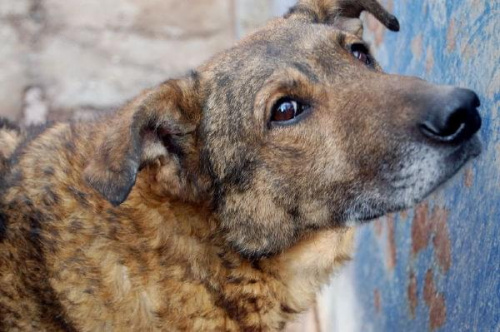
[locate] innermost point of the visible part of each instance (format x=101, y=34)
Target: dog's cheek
x=254, y=224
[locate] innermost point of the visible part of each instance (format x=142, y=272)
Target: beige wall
x=61, y=59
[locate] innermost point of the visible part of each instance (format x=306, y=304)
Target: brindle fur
x=187, y=209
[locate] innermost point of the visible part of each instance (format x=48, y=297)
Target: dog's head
x=297, y=129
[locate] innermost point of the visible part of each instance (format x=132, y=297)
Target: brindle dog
x=223, y=200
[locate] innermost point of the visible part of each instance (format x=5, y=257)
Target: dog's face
x=298, y=130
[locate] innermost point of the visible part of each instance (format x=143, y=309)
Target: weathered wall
x=66, y=58
x=85, y=56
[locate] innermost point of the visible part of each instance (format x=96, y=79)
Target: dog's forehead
x=280, y=44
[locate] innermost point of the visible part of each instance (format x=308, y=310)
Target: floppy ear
x=154, y=124
x=342, y=14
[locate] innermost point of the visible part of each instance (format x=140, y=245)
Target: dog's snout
x=452, y=118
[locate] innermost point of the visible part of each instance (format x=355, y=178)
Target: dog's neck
x=287, y=283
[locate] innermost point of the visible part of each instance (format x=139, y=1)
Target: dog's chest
x=128, y=269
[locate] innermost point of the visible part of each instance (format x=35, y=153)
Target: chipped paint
x=469, y=177
x=378, y=226
x=412, y=294
x=435, y=226
x=497, y=159
x=391, y=242
x=429, y=59
x=416, y=46
x=435, y=301
x=377, y=300
x=441, y=238
x=451, y=35
x=421, y=229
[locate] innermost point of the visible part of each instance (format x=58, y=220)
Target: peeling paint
x=437, y=315
x=416, y=46
x=498, y=156
x=451, y=41
x=468, y=177
x=429, y=60
x=377, y=300
x=412, y=294
x=378, y=227
x=435, y=301
x=441, y=240
x=391, y=242
x=433, y=226
x=421, y=229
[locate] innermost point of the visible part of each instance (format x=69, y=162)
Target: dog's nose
x=453, y=118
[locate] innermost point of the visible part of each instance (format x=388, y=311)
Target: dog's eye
x=286, y=109
x=360, y=52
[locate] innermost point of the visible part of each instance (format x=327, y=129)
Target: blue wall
x=437, y=267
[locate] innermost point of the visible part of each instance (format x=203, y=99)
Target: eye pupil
x=361, y=54
x=286, y=109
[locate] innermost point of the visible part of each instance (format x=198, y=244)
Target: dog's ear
x=342, y=14
x=157, y=123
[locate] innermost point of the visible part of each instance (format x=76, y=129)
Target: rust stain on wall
x=377, y=300
x=421, y=229
x=434, y=225
x=469, y=177
x=451, y=37
x=441, y=240
x=435, y=301
x=412, y=294
x=417, y=47
x=378, y=227
x=391, y=242
x=429, y=60
x=437, y=315
x=498, y=155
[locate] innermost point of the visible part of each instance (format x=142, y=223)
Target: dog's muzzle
x=451, y=118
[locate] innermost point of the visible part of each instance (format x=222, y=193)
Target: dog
x=225, y=199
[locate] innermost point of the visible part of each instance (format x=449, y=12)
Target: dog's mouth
x=456, y=160
x=409, y=188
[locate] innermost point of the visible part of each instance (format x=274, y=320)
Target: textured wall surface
x=63, y=59
x=86, y=56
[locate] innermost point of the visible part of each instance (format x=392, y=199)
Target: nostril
x=452, y=126
x=451, y=129
x=453, y=119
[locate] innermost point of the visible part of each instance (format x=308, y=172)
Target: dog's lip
x=477, y=147
x=469, y=150
x=458, y=159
